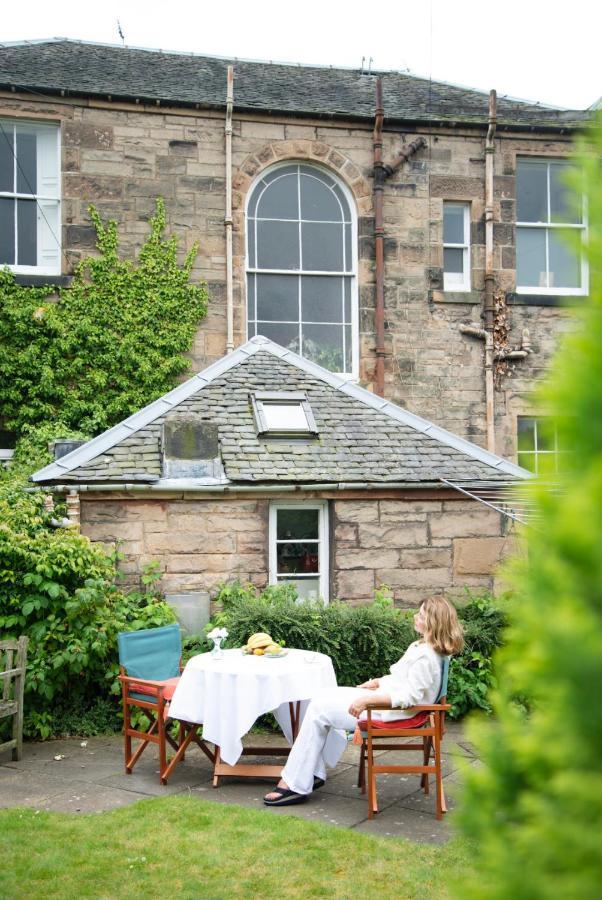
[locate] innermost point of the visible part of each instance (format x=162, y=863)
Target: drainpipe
x=228, y=217
x=381, y=173
x=474, y=329
x=379, y=236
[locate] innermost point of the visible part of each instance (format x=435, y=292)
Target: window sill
x=514, y=299
x=469, y=297
x=42, y=280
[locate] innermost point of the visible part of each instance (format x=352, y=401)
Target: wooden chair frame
x=428, y=736
x=13, y=674
x=157, y=713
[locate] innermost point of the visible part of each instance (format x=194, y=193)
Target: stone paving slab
x=89, y=777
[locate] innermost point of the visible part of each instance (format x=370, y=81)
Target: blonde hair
x=442, y=630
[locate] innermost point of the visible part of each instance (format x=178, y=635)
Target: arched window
x=301, y=265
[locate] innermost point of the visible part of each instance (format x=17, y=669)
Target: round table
x=228, y=694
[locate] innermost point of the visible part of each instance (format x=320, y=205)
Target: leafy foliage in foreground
x=535, y=808
x=362, y=641
x=115, y=340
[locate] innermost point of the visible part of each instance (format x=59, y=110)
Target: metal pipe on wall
x=379, y=236
x=228, y=216
x=489, y=275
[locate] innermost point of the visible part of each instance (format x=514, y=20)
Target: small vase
x=217, y=652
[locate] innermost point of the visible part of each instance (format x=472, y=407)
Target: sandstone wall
x=121, y=157
x=416, y=547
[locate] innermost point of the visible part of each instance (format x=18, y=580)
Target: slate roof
x=86, y=69
x=363, y=439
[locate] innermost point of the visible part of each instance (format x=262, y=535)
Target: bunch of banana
x=260, y=643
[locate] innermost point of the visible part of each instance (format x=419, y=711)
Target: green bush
x=362, y=641
x=58, y=588
x=535, y=807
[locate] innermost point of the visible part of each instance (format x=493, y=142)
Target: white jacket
x=414, y=680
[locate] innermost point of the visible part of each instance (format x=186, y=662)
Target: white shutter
x=49, y=237
x=49, y=171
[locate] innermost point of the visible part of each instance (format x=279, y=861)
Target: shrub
x=535, y=807
x=58, y=588
x=362, y=641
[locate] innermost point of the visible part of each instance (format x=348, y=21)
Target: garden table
x=228, y=694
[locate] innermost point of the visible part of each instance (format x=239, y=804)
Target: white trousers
x=320, y=742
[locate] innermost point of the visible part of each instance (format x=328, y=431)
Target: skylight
x=283, y=413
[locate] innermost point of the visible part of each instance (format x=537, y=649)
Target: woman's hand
x=371, y=685
x=358, y=706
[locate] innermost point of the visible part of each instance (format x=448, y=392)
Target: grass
x=190, y=848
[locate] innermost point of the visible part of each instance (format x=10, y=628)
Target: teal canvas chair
x=423, y=731
x=149, y=671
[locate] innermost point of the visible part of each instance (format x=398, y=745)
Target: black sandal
x=318, y=782
x=285, y=797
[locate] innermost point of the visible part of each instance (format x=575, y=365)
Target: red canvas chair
x=150, y=666
x=424, y=731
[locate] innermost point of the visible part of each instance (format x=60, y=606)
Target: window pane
x=453, y=223
x=546, y=437
x=285, y=416
x=453, y=261
x=531, y=257
x=26, y=163
x=297, y=558
x=285, y=335
x=526, y=434
x=27, y=249
x=7, y=162
x=307, y=588
x=348, y=253
x=322, y=298
x=323, y=344
x=7, y=231
x=278, y=245
x=280, y=199
x=564, y=204
x=251, y=299
x=528, y=461
x=297, y=524
x=322, y=247
x=318, y=201
x=531, y=192
x=251, y=243
x=278, y=298
x=348, y=350
x=347, y=282
x=565, y=266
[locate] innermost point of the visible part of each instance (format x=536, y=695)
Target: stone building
x=282, y=197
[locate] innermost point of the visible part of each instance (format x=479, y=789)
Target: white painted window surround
x=302, y=265
x=298, y=547
x=549, y=217
x=30, y=179
x=456, y=246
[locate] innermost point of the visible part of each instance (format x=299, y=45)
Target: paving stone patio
x=88, y=777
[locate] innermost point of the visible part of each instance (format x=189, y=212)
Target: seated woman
x=415, y=679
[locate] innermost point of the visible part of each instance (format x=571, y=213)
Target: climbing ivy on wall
x=115, y=339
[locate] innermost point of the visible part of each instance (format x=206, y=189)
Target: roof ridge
x=173, y=398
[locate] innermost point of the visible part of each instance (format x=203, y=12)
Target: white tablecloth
x=227, y=695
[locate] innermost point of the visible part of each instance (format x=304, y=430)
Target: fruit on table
x=273, y=648
x=259, y=651
x=258, y=641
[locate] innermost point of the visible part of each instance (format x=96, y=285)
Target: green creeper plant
x=535, y=807
x=115, y=339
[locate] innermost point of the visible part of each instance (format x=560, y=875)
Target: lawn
x=190, y=848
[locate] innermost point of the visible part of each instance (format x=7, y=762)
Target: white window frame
x=43, y=198
x=462, y=284
x=323, y=545
x=537, y=454
x=548, y=226
x=352, y=274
